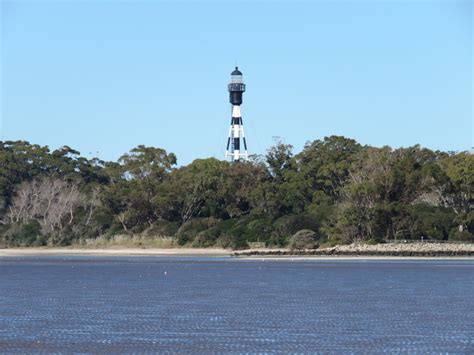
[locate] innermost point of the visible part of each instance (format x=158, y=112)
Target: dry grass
x=128, y=241
x=256, y=245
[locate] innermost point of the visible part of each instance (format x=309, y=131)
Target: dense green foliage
x=335, y=187
x=304, y=239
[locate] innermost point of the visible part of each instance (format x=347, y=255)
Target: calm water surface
x=224, y=305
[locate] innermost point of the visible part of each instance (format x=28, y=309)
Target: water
x=224, y=305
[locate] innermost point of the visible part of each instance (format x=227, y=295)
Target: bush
x=63, y=237
x=304, y=239
x=430, y=222
x=24, y=234
x=290, y=224
x=162, y=229
x=236, y=233
x=256, y=245
x=463, y=236
x=277, y=240
x=206, y=238
x=190, y=229
x=435, y=234
x=252, y=229
x=232, y=241
x=373, y=241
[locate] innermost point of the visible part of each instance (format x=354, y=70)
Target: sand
x=338, y=251
x=115, y=252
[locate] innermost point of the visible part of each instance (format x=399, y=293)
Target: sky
x=105, y=76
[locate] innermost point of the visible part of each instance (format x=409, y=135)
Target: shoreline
x=354, y=255
x=346, y=252
x=360, y=250
x=351, y=258
x=45, y=251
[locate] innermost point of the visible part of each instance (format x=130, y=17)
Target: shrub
x=463, y=236
x=189, y=230
x=277, y=240
x=162, y=228
x=435, y=234
x=206, y=238
x=373, y=241
x=288, y=225
x=24, y=234
x=430, y=222
x=253, y=229
x=256, y=245
x=304, y=239
x=236, y=233
x=61, y=238
x=232, y=241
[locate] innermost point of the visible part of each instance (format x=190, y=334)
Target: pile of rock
x=404, y=247
x=388, y=249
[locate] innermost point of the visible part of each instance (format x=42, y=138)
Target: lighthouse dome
x=236, y=71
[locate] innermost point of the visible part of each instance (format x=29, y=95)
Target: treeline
x=335, y=187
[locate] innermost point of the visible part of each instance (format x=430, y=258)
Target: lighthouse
x=236, y=151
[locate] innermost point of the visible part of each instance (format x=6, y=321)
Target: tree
x=135, y=195
x=236, y=192
x=325, y=164
x=382, y=184
x=334, y=186
x=457, y=190
x=197, y=188
x=278, y=158
x=147, y=162
x=48, y=201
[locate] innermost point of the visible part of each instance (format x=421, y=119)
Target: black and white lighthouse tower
x=234, y=151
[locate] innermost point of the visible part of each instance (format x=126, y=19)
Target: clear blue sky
x=105, y=76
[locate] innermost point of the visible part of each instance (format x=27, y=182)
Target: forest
x=341, y=190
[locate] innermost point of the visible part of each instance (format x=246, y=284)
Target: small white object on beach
x=166, y=272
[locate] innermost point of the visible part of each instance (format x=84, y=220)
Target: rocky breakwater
x=386, y=249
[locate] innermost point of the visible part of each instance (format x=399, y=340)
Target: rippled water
x=224, y=305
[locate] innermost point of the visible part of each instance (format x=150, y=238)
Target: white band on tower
x=236, y=111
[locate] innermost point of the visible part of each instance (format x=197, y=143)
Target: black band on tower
x=236, y=143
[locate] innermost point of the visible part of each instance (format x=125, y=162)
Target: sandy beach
x=116, y=252
x=349, y=252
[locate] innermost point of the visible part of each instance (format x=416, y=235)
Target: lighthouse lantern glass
x=236, y=79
